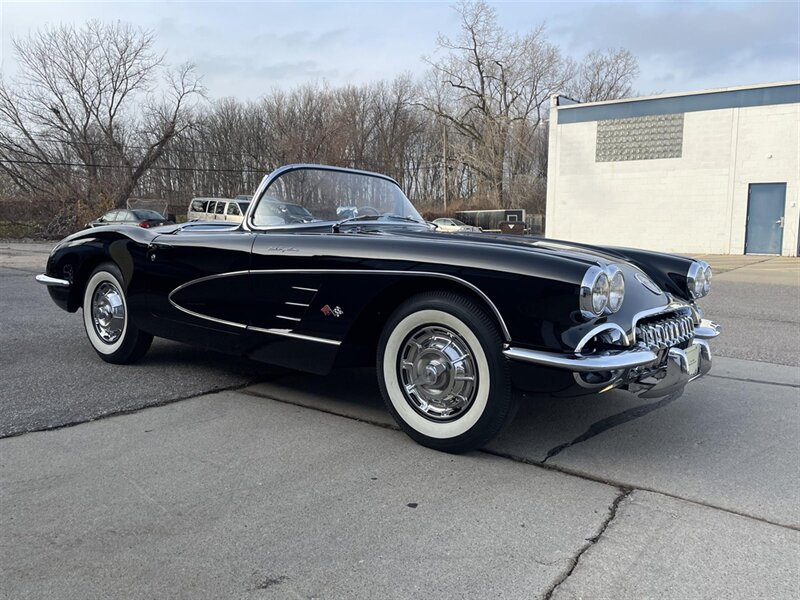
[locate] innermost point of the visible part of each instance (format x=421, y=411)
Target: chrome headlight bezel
x=596, y=289
x=698, y=279
x=616, y=289
x=708, y=275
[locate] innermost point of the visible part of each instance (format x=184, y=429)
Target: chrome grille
x=666, y=331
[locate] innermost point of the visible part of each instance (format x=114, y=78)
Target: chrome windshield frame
x=247, y=222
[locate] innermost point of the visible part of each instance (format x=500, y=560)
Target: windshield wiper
x=338, y=224
x=402, y=218
x=351, y=220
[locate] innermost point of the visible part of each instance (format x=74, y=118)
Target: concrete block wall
x=693, y=204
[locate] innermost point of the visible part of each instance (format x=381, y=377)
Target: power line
x=154, y=167
x=168, y=148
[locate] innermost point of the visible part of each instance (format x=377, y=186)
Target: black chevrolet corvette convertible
x=456, y=323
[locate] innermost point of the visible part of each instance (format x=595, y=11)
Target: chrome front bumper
x=630, y=358
x=52, y=281
x=707, y=330
x=625, y=359
x=673, y=376
x=638, y=368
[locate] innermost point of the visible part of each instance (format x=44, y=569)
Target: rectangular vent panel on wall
x=640, y=138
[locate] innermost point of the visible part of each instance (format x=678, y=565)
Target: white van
x=217, y=209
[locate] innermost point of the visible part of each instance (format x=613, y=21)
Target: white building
x=712, y=172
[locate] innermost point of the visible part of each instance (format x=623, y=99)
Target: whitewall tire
x=107, y=320
x=442, y=373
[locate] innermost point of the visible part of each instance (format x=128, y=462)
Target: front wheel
x=442, y=373
x=107, y=320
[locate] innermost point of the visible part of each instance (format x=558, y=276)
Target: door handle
x=779, y=222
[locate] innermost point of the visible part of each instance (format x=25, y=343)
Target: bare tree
x=604, y=75
x=486, y=82
x=95, y=117
x=92, y=110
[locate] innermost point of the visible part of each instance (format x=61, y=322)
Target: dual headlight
x=698, y=279
x=602, y=291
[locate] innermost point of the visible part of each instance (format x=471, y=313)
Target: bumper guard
x=52, y=281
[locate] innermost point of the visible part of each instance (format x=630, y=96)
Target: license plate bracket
x=693, y=359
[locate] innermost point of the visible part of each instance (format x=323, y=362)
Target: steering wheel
x=368, y=211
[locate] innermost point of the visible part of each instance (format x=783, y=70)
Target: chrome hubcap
x=108, y=312
x=438, y=374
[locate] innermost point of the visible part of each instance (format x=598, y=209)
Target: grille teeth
x=666, y=332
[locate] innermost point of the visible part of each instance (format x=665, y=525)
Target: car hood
x=668, y=271
x=571, y=250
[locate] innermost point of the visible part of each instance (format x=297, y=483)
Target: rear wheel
x=442, y=373
x=107, y=321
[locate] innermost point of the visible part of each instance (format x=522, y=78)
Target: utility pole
x=444, y=163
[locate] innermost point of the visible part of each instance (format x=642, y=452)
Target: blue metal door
x=765, y=204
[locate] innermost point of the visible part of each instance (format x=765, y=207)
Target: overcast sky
x=244, y=49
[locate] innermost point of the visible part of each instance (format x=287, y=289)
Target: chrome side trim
x=463, y=282
x=206, y=278
x=304, y=289
x=200, y=315
x=206, y=317
x=299, y=336
x=280, y=332
x=707, y=330
x=52, y=281
x=627, y=359
x=296, y=304
x=287, y=318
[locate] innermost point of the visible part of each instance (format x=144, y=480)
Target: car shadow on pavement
x=542, y=427
x=166, y=353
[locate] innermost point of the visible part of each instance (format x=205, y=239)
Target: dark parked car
x=139, y=217
x=453, y=323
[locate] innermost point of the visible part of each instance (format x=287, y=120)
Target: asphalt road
x=756, y=301
x=52, y=377
x=290, y=485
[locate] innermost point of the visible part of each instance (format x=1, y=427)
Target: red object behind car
x=138, y=217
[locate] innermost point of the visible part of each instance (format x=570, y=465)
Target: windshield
x=280, y=213
x=307, y=194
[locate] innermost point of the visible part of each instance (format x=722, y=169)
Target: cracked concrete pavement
x=213, y=496
x=661, y=547
x=297, y=486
